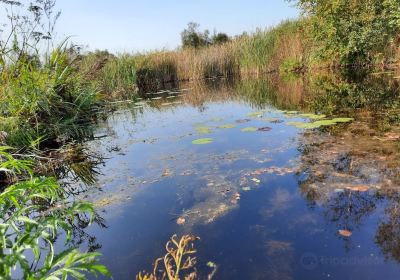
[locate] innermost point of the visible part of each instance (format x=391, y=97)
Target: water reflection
x=259, y=200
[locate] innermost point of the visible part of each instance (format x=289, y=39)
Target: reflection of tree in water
x=80, y=236
x=388, y=233
x=365, y=153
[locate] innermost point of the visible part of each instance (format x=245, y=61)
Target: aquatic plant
x=33, y=213
x=320, y=123
x=249, y=129
x=178, y=263
x=202, y=141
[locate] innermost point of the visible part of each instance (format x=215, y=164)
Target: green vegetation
x=353, y=31
x=33, y=213
x=202, y=141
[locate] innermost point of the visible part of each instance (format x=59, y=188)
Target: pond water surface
x=269, y=198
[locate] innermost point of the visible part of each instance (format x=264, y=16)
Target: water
x=266, y=204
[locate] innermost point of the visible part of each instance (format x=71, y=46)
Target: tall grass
x=258, y=52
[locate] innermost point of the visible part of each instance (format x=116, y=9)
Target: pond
x=238, y=164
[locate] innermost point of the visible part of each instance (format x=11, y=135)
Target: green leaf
x=202, y=141
x=249, y=129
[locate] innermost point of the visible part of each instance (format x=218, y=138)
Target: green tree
x=352, y=29
x=192, y=37
x=220, y=38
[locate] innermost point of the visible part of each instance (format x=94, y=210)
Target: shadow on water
x=269, y=200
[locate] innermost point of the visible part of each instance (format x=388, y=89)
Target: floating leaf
x=203, y=129
x=202, y=141
x=216, y=119
x=227, y=126
x=246, y=189
x=211, y=264
x=313, y=116
x=319, y=123
x=342, y=120
x=243, y=121
x=345, y=233
x=265, y=129
x=258, y=114
x=249, y=129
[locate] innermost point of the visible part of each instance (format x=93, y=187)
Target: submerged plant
x=178, y=263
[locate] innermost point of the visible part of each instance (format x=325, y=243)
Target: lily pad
x=342, y=120
x=257, y=114
x=203, y=130
x=313, y=116
x=202, y=141
x=249, y=129
x=227, y=126
x=243, y=121
x=216, y=119
x=319, y=123
x=265, y=129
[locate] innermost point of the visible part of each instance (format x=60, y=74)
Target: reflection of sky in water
x=276, y=230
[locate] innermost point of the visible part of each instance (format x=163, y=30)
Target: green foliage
x=192, y=38
x=290, y=65
x=33, y=213
x=220, y=38
x=352, y=29
x=257, y=50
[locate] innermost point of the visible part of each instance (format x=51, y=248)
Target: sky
x=139, y=25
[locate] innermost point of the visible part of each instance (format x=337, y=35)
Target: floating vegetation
x=243, y=121
x=156, y=98
x=273, y=120
x=216, y=119
x=320, y=123
x=227, y=126
x=257, y=114
x=313, y=116
x=249, y=129
x=203, y=130
x=264, y=129
x=273, y=169
x=202, y=141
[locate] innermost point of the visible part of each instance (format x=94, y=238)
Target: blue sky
x=133, y=25
x=138, y=25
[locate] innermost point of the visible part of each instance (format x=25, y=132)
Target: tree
x=220, y=38
x=352, y=29
x=192, y=37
